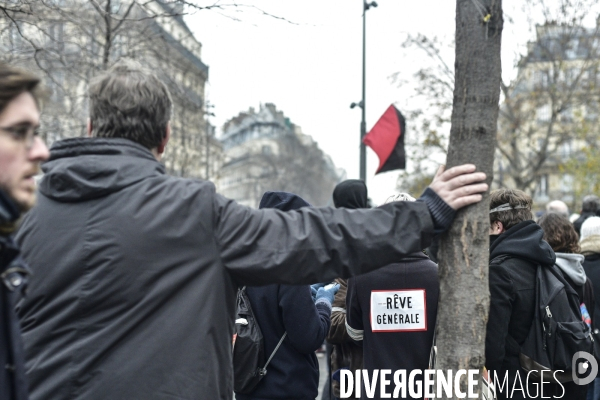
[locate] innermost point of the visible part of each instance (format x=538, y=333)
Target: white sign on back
x=398, y=310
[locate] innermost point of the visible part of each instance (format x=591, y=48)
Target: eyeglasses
x=22, y=133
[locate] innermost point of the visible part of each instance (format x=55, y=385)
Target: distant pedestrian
x=590, y=207
x=293, y=372
x=561, y=236
x=393, y=312
x=21, y=151
x=559, y=207
x=347, y=353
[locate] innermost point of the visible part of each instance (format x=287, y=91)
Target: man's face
x=19, y=158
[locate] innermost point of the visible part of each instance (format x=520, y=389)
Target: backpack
x=249, y=366
x=557, y=331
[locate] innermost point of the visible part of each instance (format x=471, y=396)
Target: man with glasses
x=21, y=152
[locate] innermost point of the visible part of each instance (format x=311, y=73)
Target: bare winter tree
x=548, y=116
x=463, y=267
x=70, y=41
x=426, y=140
x=550, y=110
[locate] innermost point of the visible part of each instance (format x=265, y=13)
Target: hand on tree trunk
x=459, y=186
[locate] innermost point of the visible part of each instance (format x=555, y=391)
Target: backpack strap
x=263, y=371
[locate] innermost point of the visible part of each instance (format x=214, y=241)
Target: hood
x=524, y=241
x=590, y=245
x=9, y=211
x=572, y=266
x=87, y=168
x=351, y=193
x=283, y=201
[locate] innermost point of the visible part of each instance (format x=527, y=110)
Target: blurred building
x=265, y=151
x=70, y=41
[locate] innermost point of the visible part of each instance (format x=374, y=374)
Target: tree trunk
x=464, y=255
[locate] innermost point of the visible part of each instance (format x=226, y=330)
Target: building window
x=542, y=188
x=543, y=113
x=566, y=149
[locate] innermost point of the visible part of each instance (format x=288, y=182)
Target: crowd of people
x=118, y=281
x=121, y=282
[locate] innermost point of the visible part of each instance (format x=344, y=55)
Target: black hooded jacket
x=514, y=257
x=13, y=277
x=294, y=370
x=135, y=272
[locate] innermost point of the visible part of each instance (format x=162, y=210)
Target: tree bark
x=464, y=255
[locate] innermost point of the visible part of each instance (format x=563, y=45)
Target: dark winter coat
x=293, y=372
x=135, y=272
x=571, y=265
x=590, y=247
x=395, y=347
x=579, y=221
x=514, y=257
x=13, y=278
x=345, y=353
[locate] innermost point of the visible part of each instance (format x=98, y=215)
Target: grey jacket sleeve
x=315, y=244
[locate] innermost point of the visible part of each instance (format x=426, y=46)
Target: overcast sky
x=310, y=67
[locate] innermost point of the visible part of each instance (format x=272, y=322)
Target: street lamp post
x=362, y=103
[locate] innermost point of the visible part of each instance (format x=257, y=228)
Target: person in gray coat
x=136, y=271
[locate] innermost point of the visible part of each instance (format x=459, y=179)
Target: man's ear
x=89, y=127
x=161, y=147
x=498, y=227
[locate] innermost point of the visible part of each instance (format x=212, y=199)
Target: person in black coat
x=516, y=249
x=393, y=313
x=21, y=152
x=589, y=208
x=293, y=372
x=590, y=248
x=561, y=236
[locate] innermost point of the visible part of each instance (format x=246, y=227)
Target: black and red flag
x=386, y=138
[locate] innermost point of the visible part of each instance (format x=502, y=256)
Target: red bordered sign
x=398, y=310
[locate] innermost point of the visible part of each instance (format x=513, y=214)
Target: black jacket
x=394, y=345
x=293, y=373
x=135, y=272
x=294, y=370
x=592, y=270
x=13, y=276
x=590, y=248
x=579, y=221
x=514, y=257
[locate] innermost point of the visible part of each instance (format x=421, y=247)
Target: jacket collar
x=86, y=168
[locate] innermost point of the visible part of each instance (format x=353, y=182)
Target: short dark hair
x=129, y=102
x=15, y=81
x=559, y=233
x=591, y=203
x=514, y=197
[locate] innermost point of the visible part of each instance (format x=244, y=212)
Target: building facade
x=265, y=151
x=69, y=41
x=549, y=116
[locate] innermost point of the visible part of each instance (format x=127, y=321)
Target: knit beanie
x=590, y=226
